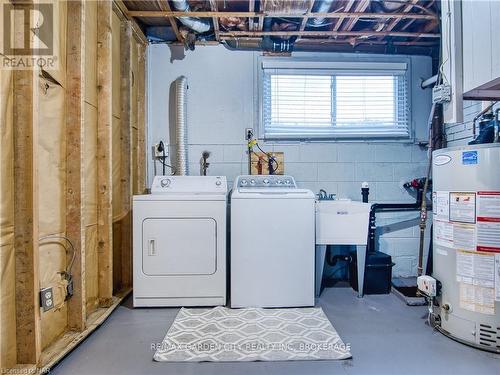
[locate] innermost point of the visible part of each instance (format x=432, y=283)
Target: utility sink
x=342, y=222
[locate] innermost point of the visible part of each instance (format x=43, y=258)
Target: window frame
x=323, y=65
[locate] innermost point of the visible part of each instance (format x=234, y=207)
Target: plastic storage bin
x=378, y=273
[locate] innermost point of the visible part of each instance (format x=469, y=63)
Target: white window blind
x=356, y=103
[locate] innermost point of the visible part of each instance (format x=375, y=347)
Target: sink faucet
x=324, y=196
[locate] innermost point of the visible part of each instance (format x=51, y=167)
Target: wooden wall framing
x=84, y=85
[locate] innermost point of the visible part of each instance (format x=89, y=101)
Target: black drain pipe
x=391, y=207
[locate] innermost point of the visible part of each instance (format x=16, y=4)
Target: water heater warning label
x=488, y=221
x=476, y=277
x=463, y=207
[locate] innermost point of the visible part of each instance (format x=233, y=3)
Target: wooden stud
x=121, y=9
x=126, y=151
x=303, y=23
x=26, y=220
x=75, y=128
x=347, y=8
x=215, y=20
x=396, y=20
x=104, y=142
x=141, y=121
x=328, y=33
x=251, y=8
x=260, y=25
x=218, y=14
x=165, y=7
x=305, y=19
x=28, y=336
x=409, y=22
x=360, y=8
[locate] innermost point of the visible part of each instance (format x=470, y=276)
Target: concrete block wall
x=459, y=134
x=220, y=107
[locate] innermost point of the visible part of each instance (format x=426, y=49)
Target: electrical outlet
x=248, y=134
x=158, y=152
x=47, y=299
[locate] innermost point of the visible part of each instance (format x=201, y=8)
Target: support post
x=126, y=150
x=141, y=121
x=75, y=230
x=104, y=143
x=26, y=235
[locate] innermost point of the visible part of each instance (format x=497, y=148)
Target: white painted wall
x=221, y=104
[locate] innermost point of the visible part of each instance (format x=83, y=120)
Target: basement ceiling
x=282, y=26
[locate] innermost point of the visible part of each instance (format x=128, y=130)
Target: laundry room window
x=307, y=100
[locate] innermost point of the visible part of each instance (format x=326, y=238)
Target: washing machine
x=272, y=243
x=179, y=242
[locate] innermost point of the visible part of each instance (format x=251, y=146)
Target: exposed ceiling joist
x=341, y=19
x=393, y=23
x=330, y=33
x=349, y=23
x=215, y=20
x=251, y=8
x=165, y=7
x=219, y=14
x=360, y=8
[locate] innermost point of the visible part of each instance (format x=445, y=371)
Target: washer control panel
x=264, y=181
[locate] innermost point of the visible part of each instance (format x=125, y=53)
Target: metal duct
x=196, y=24
x=393, y=5
x=322, y=6
x=238, y=44
x=181, y=87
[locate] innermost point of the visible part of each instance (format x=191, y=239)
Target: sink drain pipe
x=391, y=207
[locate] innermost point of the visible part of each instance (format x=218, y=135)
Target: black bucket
x=378, y=273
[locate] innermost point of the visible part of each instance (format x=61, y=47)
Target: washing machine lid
x=187, y=185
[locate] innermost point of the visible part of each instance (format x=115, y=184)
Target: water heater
x=466, y=243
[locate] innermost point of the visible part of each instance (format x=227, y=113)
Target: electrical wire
x=58, y=237
x=442, y=75
x=165, y=165
x=268, y=156
x=161, y=148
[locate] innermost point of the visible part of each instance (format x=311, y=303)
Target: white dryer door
x=179, y=246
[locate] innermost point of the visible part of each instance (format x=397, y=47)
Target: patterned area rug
x=252, y=334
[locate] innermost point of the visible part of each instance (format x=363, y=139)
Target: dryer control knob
x=165, y=182
x=218, y=183
x=266, y=181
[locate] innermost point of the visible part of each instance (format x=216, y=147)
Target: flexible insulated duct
x=321, y=7
x=181, y=87
x=198, y=25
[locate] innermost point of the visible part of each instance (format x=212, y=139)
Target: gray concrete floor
x=386, y=337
